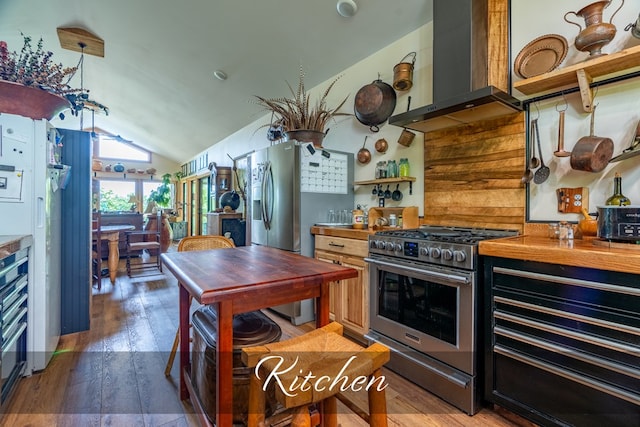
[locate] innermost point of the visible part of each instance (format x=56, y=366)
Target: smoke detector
x=347, y=8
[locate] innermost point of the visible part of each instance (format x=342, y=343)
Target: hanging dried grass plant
x=297, y=113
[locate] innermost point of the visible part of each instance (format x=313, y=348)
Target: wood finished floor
x=113, y=374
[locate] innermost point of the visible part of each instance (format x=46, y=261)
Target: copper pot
x=403, y=73
x=591, y=153
x=381, y=145
x=364, y=155
x=374, y=103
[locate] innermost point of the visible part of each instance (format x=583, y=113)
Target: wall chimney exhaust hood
x=461, y=92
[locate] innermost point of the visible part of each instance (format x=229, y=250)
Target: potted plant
x=161, y=196
x=296, y=118
x=32, y=84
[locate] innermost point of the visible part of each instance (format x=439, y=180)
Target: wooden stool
x=316, y=367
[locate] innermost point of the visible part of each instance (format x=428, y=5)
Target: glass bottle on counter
x=618, y=199
x=403, y=167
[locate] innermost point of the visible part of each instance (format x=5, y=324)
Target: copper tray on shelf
x=541, y=55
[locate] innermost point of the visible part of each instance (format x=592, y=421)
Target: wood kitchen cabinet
x=350, y=298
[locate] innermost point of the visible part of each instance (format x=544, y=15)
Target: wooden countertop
x=349, y=233
x=11, y=244
x=578, y=253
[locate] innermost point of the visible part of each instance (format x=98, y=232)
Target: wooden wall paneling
x=498, y=44
x=472, y=174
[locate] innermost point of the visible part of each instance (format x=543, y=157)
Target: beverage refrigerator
x=31, y=181
x=293, y=186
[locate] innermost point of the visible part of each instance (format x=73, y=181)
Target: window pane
x=113, y=149
x=115, y=195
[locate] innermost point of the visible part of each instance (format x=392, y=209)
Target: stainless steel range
x=425, y=289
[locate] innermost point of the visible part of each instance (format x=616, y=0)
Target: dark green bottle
x=618, y=199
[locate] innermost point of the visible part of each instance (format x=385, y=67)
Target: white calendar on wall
x=322, y=171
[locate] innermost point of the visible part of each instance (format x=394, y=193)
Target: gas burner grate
x=448, y=234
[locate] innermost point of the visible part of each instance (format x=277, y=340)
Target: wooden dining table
x=239, y=280
x=112, y=234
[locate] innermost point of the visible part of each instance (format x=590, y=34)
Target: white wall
x=617, y=112
x=346, y=133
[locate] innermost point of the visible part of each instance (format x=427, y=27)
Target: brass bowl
x=588, y=227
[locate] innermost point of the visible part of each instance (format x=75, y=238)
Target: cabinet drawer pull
x=574, y=354
x=8, y=344
x=567, y=315
x=597, y=385
x=625, y=290
x=10, y=312
x=608, y=344
x=336, y=245
x=5, y=271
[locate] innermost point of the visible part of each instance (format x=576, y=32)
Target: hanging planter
x=296, y=118
x=29, y=101
x=31, y=85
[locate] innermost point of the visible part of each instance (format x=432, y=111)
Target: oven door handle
x=451, y=277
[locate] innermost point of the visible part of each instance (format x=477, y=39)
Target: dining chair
x=195, y=243
x=147, y=244
x=96, y=247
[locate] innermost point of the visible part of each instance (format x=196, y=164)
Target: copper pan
x=591, y=153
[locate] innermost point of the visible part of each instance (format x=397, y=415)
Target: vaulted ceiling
x=157, y=73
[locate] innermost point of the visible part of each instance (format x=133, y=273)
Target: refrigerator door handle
x=267, y=202
x=40, y=212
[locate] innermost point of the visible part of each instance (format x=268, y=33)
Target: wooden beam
x=75, y=38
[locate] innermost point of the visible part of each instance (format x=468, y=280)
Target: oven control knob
x=390, y=246
x=424, y=251
x=459, y=256
x=434, y=252
x=398, y=247
x=447, y=254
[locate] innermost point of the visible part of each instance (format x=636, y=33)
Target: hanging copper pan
x=591, y=153
x=374, y=103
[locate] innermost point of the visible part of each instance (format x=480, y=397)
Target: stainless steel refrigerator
x=293, y=186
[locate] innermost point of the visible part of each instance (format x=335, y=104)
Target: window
x=112, y=147
x=115, y=195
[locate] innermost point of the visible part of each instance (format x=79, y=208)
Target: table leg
x=112, y=261
x=224, y=368
x=322, y=319
x=185, y=358
x=322, y=306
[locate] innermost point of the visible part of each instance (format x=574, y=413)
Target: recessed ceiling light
x=347, y=8
x=220, y=75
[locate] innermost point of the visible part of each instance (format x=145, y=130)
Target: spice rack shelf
x=582, y=74
x=409, y=179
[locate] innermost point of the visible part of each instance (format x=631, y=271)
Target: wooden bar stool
x=316, y=368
